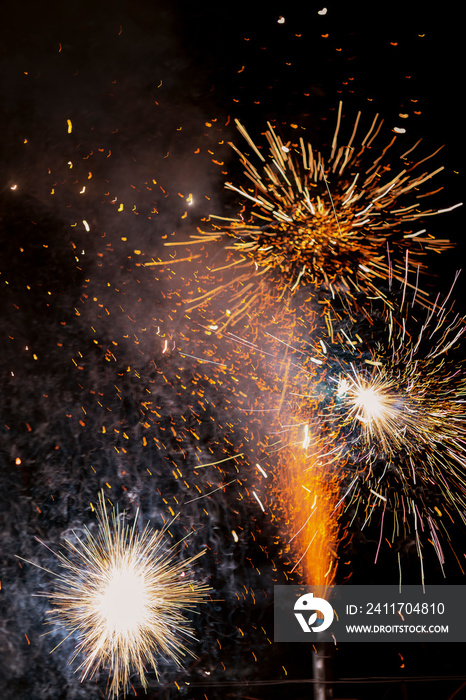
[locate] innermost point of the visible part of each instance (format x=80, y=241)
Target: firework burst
x=124, y=597
x=399, y=418
x=413, y=397
x=324, y=221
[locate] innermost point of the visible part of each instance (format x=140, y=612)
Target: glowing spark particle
x=258, y=500
x=455, y=206
x=378, y=495
x=306, y=439
x=262, y=471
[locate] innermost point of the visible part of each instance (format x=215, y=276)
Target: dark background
x=151, y=90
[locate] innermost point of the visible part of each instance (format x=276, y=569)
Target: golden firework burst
x=339, y=222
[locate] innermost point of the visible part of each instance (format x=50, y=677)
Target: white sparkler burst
x=124, y=597
x=375, y=403
x=412, y=400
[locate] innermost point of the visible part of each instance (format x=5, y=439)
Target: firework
x=299, y=486
x=413, y=396
x=329, y=222
x=399, y=418
x=123, y=596
x=307, y=494
x=385, y=433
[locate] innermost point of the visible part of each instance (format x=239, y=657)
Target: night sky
x=112, y=114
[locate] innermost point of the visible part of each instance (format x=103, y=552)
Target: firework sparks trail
x=323, y=221
x=123, y=596
x=307, y=492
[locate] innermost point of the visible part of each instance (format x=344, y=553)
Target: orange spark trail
x=309, y=493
